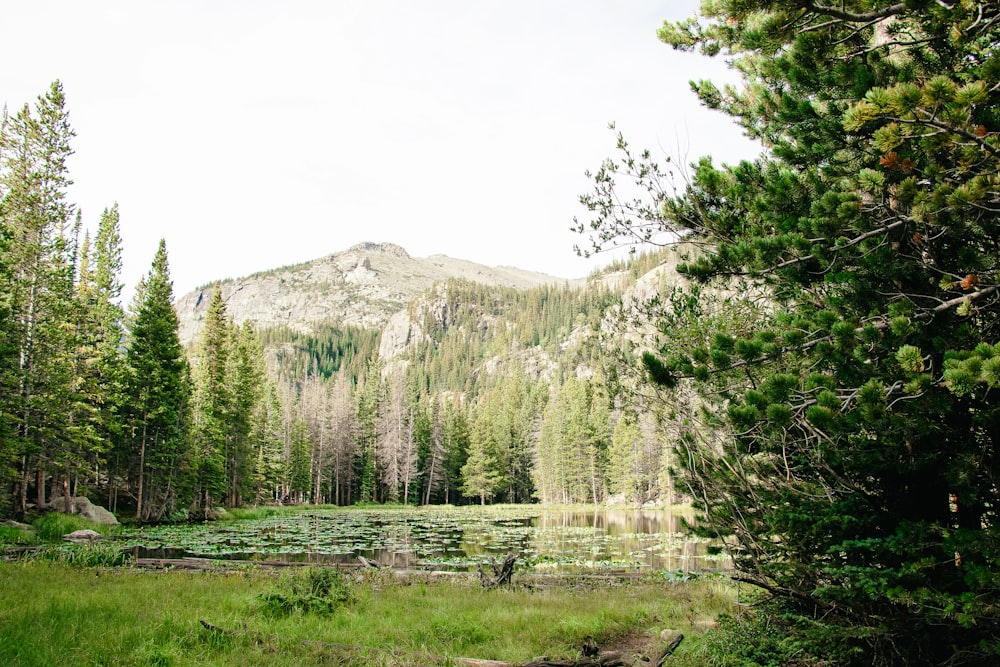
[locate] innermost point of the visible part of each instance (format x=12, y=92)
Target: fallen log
x=671, y=647
x=607, y=659
x=211, y=564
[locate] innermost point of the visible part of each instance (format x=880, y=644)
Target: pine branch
x=852, y=17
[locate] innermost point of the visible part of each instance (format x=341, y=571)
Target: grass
x=43, y=540
x=52, y=614
x=17, y=536
x=47, y=531
x=52, y=526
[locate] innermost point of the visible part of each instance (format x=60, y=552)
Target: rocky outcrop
x=83, y=507
x=10, y=523
x=401, y=333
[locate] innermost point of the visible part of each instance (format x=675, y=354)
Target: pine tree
x=313, y=402
x=40, y=266
x=481, y=474
x=848, y=440
x=100, y=364
x=547, y=471
x=570, y=463
x=370, y=402
x=268, y=438
x=246, y=381
x=625, y=474
x=455, y=442
x=428, y=436
x=156, y=390
x=212, y=405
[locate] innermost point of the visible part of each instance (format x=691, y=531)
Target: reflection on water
x=656, y=540
x=457, y=538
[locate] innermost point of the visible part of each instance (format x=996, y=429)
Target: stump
x=501, y=572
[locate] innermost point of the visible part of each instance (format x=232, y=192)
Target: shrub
x=249, y=513
x=315, y=590
x=179, y=516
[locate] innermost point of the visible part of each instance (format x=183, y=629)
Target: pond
x=455, y=538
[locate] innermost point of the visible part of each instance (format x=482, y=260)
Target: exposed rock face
x=362, y=286
x=82, y=506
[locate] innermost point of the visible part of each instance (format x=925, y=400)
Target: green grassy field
x=54, y=614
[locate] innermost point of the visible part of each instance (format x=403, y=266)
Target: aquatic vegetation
x=443, y=538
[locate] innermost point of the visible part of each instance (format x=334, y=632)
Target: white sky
x=255, y=134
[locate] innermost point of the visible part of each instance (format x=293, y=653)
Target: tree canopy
x=847, y=436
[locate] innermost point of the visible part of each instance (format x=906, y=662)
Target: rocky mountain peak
x=362, y=286
x=383, y=248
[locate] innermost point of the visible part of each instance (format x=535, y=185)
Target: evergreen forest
x=504, y=398
x=804, y=347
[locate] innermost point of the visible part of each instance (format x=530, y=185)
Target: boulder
x=668, y=636
x=215, y=513
x=82, y=506
x=83, y=536
x=10, y=523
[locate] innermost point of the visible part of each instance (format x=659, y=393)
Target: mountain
x=362, y=286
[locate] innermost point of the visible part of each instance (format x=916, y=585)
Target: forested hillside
x=473, y=391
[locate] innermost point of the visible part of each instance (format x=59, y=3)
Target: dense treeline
x=500, y=396
x=325, y=350
x=59, y=363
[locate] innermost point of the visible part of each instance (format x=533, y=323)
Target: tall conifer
x=156, y=392
x=40, y=256
x=212, y=404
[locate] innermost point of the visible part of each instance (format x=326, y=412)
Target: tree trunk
x=142, y=466
x=430, y=476
x=66, y=497
x=40, y=485
x=22, y=493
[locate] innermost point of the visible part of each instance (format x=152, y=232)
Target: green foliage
x=572, y=453
x=47, y=424
x=326, y=350
x=845, y=437
x=316, y=590
x=154, y=452
x=98, y=554
x=17, y=536
x=248, y=513
x=767, y=636
x=499, y=454
x=52, y=526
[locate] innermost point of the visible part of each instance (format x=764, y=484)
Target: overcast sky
x=256, y=134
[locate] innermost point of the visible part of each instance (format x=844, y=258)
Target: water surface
x=445, y=538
